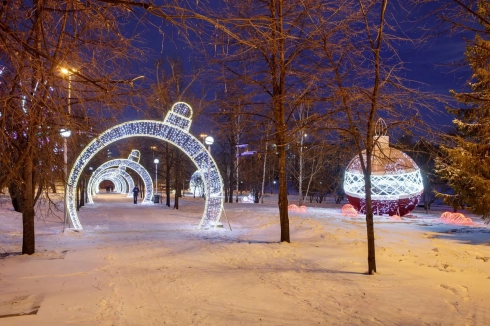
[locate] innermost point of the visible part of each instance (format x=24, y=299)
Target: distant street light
x=209, y=141
x=203, y=136
x=156, y=161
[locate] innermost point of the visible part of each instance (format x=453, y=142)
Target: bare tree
x=260, y=46
x=37, y=39
x=366, y=84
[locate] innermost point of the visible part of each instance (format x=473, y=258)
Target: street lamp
x=209, y=141
x=203, y=136
x=65, y=134
x=156, y=161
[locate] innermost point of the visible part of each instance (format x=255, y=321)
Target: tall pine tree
x=466, y=166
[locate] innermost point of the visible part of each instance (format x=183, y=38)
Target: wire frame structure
x=396, y=182
x=175, y=130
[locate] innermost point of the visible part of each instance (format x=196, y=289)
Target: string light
x=456, y=218
x=128, y=180
x=123, y=163
x=349, y=210
x=196, y=185
x=115, y=179
x=396, y=182
x=175, y=130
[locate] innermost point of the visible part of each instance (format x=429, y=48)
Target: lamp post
x=209, y=141
x=65, y=133
x=156, y=161
x=203, y=137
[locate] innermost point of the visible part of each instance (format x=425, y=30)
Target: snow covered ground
x=149, y=265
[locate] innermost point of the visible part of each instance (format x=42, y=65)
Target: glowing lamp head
x=156, y=161
x=209, y=140
x=65, y=133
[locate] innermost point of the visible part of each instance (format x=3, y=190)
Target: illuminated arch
x=175, y=130
x=115, y=179
x=110, y=174
x=122, y=162
x=126, y=176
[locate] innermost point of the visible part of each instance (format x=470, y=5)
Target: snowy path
x=149, y=265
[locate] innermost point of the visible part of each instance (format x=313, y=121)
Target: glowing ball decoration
x=395, y=178
x=456, y=218
x=349, y=210
x=296, y=208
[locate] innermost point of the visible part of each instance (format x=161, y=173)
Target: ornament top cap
x=380, y=129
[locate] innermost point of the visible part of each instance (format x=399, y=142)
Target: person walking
x=136, y=190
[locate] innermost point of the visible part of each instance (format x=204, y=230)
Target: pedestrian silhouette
x=136, y=190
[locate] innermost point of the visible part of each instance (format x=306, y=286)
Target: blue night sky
x=431, y=65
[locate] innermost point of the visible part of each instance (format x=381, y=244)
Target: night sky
x=436, y=66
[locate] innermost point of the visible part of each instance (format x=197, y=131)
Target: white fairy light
x=128, y=181
x=115, y=179
x=175, y=130
x=111, y=174
x=395, y=180
x=196, y=185
x=121, y=162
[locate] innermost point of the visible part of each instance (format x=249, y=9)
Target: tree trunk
x=283, y=196
x=16, y=197
x=167, y=174
x=369, y=217
x=177, y=180
x=231, y=175
x=28, y=236
x=263, y=172
x=300, y=177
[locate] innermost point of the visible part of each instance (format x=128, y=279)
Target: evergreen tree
x=466, y=166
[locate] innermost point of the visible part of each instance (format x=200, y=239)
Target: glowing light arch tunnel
x=112, y=171
x=138, y=168
x=117, y=180
x=175, y=130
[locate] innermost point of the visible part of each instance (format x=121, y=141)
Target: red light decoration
x=395, y=217
x=456, y=218
x=349, y=210
x=395, y=179
x=297, y=209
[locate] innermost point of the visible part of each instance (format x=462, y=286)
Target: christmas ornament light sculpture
x=126, y=181
x=122, y=164
x=138, y=168
x=395, y=179
x=110, y=175
x=175, y=130
x=115, y=179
